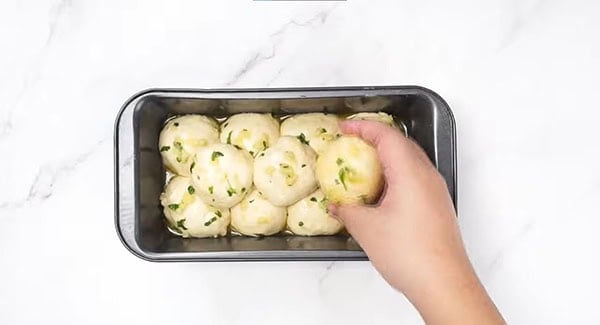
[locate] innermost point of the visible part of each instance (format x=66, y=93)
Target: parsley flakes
x=229, y=137
x=215, y=155
x=181, y=224
x=342, y=174
x=209, y=222
x=302, y=138
x=231, y=191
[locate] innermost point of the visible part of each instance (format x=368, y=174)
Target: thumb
x=358, y=219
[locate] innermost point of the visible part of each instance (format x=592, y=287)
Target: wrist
x=449, y=292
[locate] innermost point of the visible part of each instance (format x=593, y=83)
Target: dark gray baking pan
x=140, y=176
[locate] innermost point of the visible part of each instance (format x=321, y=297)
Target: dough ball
x=188, y=215
x=250, y=131
x=222, y=174
x=349, y=171
x=284, y=173
x=255, y=216
x=315, y=129
x=181, y=137
x=309, y=217
x=378, y=117
x=373, y=116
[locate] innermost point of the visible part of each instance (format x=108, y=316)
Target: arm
x=411, y=236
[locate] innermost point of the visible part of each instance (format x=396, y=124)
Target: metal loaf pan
x=140, y=176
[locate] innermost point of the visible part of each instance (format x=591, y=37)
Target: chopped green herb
x=323, y=204
x=339, y=161
x=252, y=153
x=342, y=175
x=302, y=138
x=246, y=130
x=237, y=147
x=192, y=166
x=218, y=213
x=178, y=145
x=211, y=189
x=285, y=166
x=262, y=154
x=215, y=155
x=181, y=224
x=175, y=229
x=243, y=189
x=251, y=201
x=209, y=222
x=173, y=206
x=226, y=124
x=231, y=191
x=191, y=189
x=264, y=143
x=300, y=223
x=178, y=159
x=363, y=198
x=164, y=148
x=322, y=130
x=314, y=199
x=303, y=165
x=229, y=137
x=176, y=124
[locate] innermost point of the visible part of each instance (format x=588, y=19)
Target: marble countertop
x=520, y=76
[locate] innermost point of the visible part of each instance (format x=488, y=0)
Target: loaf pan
x=140, y=175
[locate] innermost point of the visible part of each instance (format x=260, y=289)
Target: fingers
x=374, y=132
x=358, y=219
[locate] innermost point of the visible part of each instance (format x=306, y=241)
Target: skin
x=411, y=235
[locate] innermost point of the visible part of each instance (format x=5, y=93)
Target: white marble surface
x=521, y=77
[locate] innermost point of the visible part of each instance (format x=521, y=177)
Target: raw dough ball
x=188, y=215
x=378, y=117
x=255, y=216
x=250, y=131
x=309, y=217
x=373, y=116
x=181, y=137
x=314, y=128
x=284, y=173
x=222, y=174
x=349, y=171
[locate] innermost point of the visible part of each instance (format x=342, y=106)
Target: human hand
x=411, y=235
